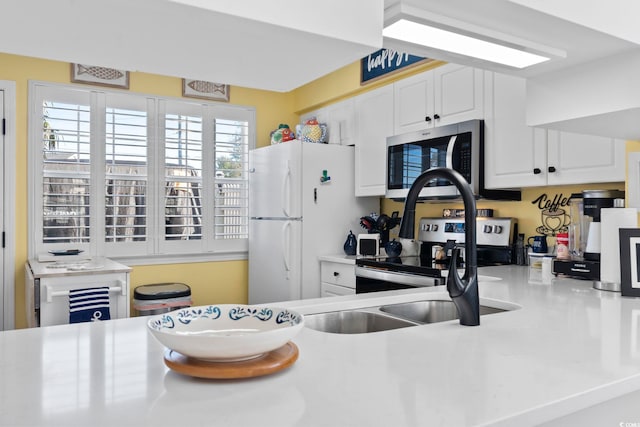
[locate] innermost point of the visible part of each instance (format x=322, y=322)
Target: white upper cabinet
x=341, y=122
x=574, y=158
x=512, y=149
x=447, y=94
x=517, y=155
x=374, y=123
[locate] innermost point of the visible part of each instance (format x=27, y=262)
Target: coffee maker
x=585, y=234
x=593, y=202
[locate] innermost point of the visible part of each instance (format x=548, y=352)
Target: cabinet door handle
x=336, y=274
x=436, y=116
x=552, y=169
x=537, y=171
x=427, y=119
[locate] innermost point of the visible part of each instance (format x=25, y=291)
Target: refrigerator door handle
x=286, y=232
x=286, y=200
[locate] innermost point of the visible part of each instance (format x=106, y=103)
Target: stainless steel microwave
x=457, y=146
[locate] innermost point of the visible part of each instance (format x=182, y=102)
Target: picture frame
x=206, y=90
x=101, y=76
x=630, y=262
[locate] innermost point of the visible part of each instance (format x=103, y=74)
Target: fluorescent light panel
x=436, y=38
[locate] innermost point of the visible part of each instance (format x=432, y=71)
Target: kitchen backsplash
x=528, y=211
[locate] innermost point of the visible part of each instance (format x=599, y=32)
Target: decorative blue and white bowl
x=226, y=332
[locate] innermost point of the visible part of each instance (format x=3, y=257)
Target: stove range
x=494, y=238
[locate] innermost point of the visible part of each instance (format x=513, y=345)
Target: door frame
x=8, y=287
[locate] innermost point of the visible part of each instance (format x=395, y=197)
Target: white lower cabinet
x=517, y=155
x=47, y=289
x=329, y=290
x=337, y=278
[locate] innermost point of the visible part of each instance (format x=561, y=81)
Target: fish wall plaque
x=205, y=90
x=103, y=76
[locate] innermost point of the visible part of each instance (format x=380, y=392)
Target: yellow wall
x=223, y=282
x=345, y=83
x=211, y=281
x=226, y=282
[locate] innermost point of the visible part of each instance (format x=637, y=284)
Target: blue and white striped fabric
x=89, y=305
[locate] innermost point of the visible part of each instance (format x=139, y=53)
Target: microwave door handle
x=450, y=147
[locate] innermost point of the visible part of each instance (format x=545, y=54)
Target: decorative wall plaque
x=205, y=90
x=103, y=76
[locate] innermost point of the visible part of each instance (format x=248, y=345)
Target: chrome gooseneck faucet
x=463, y=290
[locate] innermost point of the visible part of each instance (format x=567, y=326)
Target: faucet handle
x=455, y=284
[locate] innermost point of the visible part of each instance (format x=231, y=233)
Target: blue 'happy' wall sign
x=385, y=61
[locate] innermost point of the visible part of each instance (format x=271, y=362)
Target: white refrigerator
x=301, y=206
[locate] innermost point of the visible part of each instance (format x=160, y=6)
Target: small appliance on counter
x=593, y=202
x=368, y=244
x=586, y=237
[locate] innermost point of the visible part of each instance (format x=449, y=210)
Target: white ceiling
x=575, y=33
x=616, y=17
x=274, y=45
x=282, y=44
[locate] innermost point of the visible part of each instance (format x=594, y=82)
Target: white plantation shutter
x=231, y=178
x=183, y=177
x=125, y=175
x=121, y=174
x=65, y=181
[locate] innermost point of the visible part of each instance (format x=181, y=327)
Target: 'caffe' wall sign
x=554, y=218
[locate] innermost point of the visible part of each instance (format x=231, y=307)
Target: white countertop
x=567, y=348
x=340, y=259
x=69, y=266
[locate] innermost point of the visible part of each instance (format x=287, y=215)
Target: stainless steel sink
x=430, y=311
x=353, y=322
x=387, y=317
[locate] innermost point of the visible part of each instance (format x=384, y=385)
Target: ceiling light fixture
x=449, y=41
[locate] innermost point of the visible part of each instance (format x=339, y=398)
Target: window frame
x=155, y=249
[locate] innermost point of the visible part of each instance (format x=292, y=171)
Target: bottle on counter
x=562, y=246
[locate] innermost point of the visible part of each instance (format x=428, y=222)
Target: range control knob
x=487, y=228
x=434, y=227
x=497, y=229
x=426, y=227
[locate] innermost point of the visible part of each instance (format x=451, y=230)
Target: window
x=119, y=174
x=183, y=177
